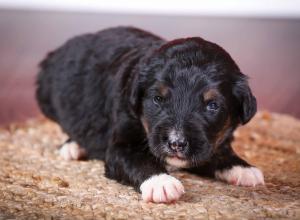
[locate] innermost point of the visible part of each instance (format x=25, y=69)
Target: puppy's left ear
x=247, y=106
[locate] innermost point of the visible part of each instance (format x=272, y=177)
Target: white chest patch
x=242, y=176
x=161, y=188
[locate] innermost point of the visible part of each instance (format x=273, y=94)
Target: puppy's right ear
x=136, y=96
x=145, y=74
x=247, y=105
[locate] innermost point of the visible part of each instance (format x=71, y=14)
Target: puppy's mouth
x=177, y=161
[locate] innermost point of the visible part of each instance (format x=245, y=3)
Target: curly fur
x=102, y=90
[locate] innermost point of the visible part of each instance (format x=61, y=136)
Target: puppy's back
x=79, y=56
x=77, y=84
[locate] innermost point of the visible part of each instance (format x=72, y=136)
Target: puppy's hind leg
x=70, y=150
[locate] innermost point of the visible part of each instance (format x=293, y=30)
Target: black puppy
x=143, y=104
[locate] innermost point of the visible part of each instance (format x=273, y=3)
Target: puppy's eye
x=212, y=106
x=157, y=99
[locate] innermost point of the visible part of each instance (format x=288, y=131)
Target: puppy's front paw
x=161, y=188
x=72, y=151
x=241, y=176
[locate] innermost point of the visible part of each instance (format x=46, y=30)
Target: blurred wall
x=266, y=49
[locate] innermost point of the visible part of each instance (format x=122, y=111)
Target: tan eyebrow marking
x=210, y=94
x=163, y=90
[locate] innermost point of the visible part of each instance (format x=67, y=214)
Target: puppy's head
x=192, y=97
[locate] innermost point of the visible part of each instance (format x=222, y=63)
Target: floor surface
x=35, y=183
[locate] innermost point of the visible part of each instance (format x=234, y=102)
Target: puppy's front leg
x=232, y=169
x=133, y=165
x=225, y=165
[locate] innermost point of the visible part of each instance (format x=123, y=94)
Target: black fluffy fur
x=100, y=87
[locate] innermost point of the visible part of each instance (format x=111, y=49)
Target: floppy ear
x=136, y=95
x=144, y=77
x=246, y=101
x=134, y=98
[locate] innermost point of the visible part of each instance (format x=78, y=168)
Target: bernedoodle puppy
x=145, y=105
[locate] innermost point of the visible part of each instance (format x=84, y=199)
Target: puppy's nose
x=178, y=145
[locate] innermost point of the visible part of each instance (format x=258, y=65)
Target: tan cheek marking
x=210, y=94
x=220, y=135
x=145, y=125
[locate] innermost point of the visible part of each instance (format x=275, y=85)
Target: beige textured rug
x=35, y=183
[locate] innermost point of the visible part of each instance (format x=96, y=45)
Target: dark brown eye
x=157, y=99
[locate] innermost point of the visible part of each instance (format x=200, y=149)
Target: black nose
x=178, y=145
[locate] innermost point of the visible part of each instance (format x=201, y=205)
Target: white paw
x=71, y=151
x=161, y=188
x=242, y=176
